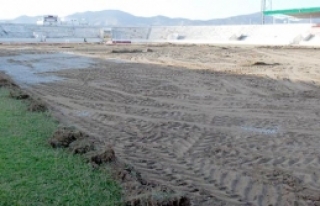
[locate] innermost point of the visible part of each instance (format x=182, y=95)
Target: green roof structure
x=302, y=13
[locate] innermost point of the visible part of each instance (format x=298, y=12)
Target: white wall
x=130, y=33
x=34, y=33
x=279, y=34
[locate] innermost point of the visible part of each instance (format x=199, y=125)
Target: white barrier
x=284, y=34
x=130, y=33
x=314, y=41
x=280, y=34
x=248, y=34
x=37, y=33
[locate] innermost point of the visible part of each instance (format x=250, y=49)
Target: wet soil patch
x=34, y=68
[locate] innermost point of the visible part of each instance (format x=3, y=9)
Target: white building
x=55, y=21
x=48, y=20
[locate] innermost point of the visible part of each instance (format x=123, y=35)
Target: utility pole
x=265, y=5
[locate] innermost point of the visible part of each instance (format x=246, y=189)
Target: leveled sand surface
x=226, y=125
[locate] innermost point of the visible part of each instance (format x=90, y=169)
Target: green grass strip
x=33, y=174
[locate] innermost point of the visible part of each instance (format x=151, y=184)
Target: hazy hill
x=25, y=19
x=120, y=18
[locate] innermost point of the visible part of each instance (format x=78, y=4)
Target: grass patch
x=32, y=173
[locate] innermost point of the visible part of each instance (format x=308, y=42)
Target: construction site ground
x=224, y=125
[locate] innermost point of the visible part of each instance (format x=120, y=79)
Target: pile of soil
x=264, y=64
x=81, y=146
x=6, y=81
x=63, y=137
x=18, y=94
x=159, y=198
x=37, y=106
x=81, y=143
x=104, y=156
x=136, y=188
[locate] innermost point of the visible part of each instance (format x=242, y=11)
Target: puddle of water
x=31, y=68
x=67, y=52
x=262, y=130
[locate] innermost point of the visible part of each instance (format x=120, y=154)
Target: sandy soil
x=213, y=122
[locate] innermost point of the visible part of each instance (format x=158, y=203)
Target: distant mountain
x=25, y=19
x=120, y=18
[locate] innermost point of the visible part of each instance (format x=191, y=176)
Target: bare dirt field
x=225, y=125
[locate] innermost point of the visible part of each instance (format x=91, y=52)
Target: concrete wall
x=37, y=33
x=314, y=40
x=281, y=34
x=130, y=33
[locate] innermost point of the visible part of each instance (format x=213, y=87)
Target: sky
x=193, y=9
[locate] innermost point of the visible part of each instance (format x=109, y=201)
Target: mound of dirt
x=147, y=50
x=62, y=138
x=159, y=199
x=5, y=81
x=37, y=106
x=103, y=156
x=264, y=64
x=81, y=146
x=18, y=94
x=137, y=189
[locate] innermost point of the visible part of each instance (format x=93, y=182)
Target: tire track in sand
x=221, y=138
